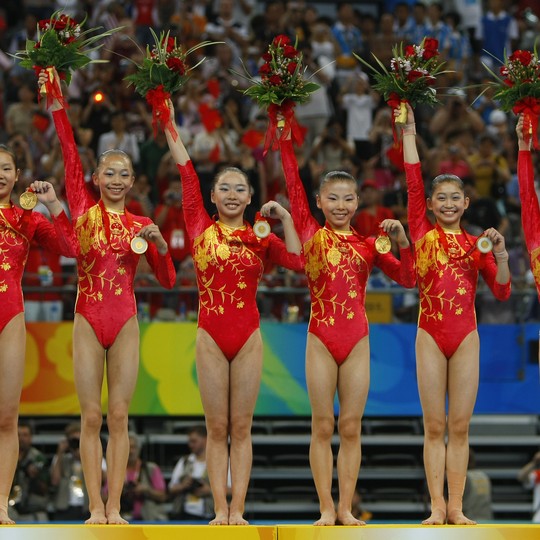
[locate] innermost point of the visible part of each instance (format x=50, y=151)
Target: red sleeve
x=530, y=211
x=278, y=254
x=501, y=291
x=79, y=199
x=419, y=224
x=196, y=218
x=161, y=265
x=306, y=225
x=58, y=236
x=402, y=270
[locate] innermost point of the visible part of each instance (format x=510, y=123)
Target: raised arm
x=305, y=224
x=196, y=218
x=416, y=209
x=79, y=199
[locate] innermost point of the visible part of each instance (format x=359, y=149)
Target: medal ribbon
x=446, y=245
x=107, y=221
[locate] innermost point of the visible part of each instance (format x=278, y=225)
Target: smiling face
x=9, y=174
x=448, y=202
x=338, y=199
x=114, y=178
x=231, y=194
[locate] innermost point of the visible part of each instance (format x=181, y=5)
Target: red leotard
x=530, y=212
x=229, y=264
x=106, y=266
x=17, y=229
x=447, y=284
x=338, y=266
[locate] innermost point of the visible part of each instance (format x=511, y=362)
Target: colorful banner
x=167, y=383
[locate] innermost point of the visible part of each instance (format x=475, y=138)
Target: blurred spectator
x=189, y=487
x=459, y=50
x=119, y=138
x=419, y=26
x=349, y=40
x=144, y=489
x=330, y=148
x=529, y=476
x=438, y=29
x=403, y=21
x=20, y=115
x=29, y=497
x=454, y=161
x=371, y=211
x=145, y=17
x=477, y=504
x=358, y=510
x=70, y=498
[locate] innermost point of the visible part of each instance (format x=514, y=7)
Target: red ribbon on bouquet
x=51, y=88
x=530, y=107
x=161, y=114
x=395, y=102
x=290, y=126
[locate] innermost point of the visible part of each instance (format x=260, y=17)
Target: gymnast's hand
x=151, y=233
x=394, y=229
x=273, y=209
x=499, y=246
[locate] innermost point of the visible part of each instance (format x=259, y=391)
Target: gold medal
x=484, y=244
x=139, y=245
x=383, y=244
x=28, y=200
x=261, y=228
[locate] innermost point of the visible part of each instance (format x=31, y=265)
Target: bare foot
x=327, y=519
x=114, y=518
x=4, y=518
x=236, y=518
x=456, y=517
x=438, y=517
x=222, y=518
x=346, y=518
x=97, y=517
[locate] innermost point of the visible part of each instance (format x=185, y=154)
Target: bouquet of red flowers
x=163, y=71
x=281, y=86
x=61, y=43
x=518, y=89
x=412, y=75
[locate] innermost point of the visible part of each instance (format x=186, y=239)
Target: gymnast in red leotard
x=229, y=261
x=447, y=343
x=338, y=264
x=105, y=324
x=17, y=229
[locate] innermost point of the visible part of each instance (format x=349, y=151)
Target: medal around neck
x=261, y=228
x=139, y=245
x=28, y=200
x=484, y=244
x=383, y=244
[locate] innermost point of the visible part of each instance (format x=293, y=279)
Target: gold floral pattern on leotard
x=101, y=268
x=9, y=240
x=449, y=276
x=219, y=248
x=535, y=265
x=330, y=257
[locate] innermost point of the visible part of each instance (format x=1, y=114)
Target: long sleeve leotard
x=338, y=265
x=530, y=212
x=229, y=264
x=17, y=229
x=106, y=264
x=447, y=267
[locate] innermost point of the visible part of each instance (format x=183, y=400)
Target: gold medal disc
x=28, y=200
x=261, y=229
x=139, y=245
x=484, y=244
x=383, y=244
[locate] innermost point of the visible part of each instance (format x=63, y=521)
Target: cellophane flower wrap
x=281, y=86
x=163, y=71
x=517, y=89
x=62, y=44
x=411, y=77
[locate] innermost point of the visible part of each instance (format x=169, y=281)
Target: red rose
x=265, y=69
x=508, y=82
x=414, y=75
x=275, y=80
x=429, y=53
x=431, y=44
x=409, y=50
x=175, y=64
x=267, y=57
x=291, y=68
x=169, y=44
x=44, y=23
x=61, y=23
x=281, y=41
x=289, y=51
x=69, y=40
x=523, y=57
x=503, y=70
x=430, y=80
